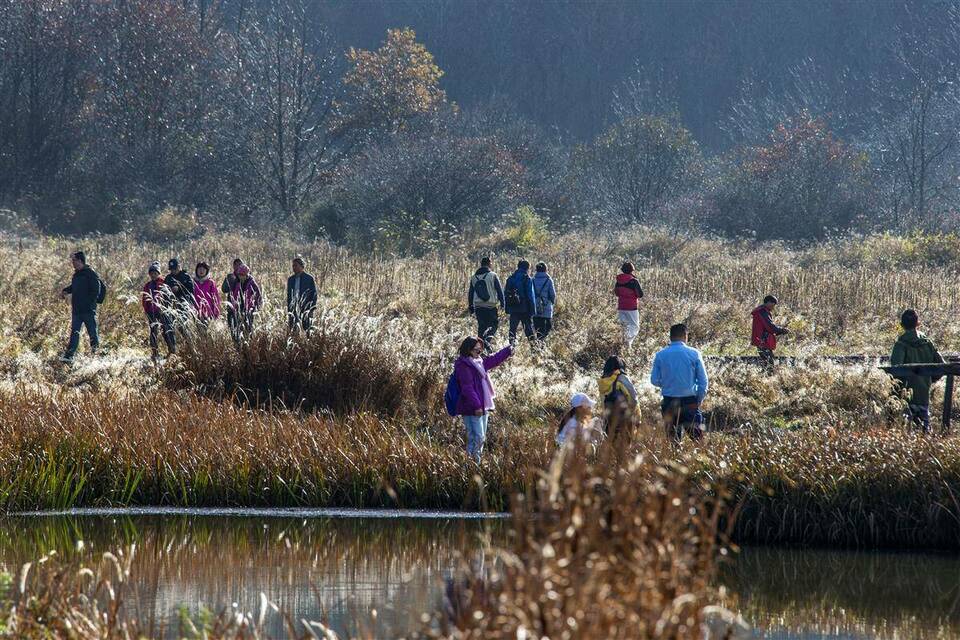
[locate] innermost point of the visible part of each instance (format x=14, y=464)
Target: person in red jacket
x=628, y=292
x=765, y=332
x=155, y=301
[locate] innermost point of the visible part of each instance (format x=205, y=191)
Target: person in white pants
x=628, y=292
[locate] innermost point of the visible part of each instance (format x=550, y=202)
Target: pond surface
x=379, y=572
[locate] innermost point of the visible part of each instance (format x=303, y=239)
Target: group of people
x=178, y=303
x=528, y=301
x=678, y=371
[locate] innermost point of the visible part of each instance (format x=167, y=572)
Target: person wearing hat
x=246, y=300
x=914, y=347
x=155, y=302
x=206, y=294
x=579, y=421
x=181, y=288
x=764, y=332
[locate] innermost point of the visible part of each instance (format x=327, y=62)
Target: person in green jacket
x=914, y=347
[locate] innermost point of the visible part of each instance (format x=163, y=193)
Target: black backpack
x=480, y=288
x=613, y=399
x=512, y=294
x=102, y=293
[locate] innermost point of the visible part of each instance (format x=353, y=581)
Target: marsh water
x=379, y=575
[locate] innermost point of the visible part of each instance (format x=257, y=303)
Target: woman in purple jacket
x=476, y=392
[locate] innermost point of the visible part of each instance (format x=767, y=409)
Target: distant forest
x=402, y=123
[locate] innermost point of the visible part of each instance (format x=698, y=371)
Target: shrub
x=636, y=166
x=171, y=224
x=803, y=185
x=526, y=230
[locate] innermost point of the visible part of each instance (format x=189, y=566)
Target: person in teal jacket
x=910, y=348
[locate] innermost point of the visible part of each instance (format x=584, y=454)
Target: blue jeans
x=476, y=434
x=78, y=320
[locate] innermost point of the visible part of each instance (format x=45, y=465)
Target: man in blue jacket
x=520, y=302
x=86, y=291
x=679, y=372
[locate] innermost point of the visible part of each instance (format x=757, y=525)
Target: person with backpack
x=470, y=393
x=483, y=294
x=617, y=393
x=913, y=347
x=578, y=421
x=182, y=289
x=246, y=300
x=764, y=332
x=519, y=302
x=155, y=302
x=628, y=292
x=679, y=373
x=544, y=297
x=206, y=294
x=86, y=291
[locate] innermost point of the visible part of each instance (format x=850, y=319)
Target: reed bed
x=58, y=452
x=840, y=487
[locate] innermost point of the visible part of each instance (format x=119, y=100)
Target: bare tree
x=288, y=81
x=916, y=143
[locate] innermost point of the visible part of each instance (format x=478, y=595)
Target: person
x=246, y=300
x=910, y=348
x=227, y=289
x=617, y=391
x=483, y=294
x=301, y=296
x=628, y=292
x=155, y=302
x=206, y=294
x=579, y=421
x=544, y=297
x=679, y=373
x=518, y=299
x=86, y=291
x=765, y=332
x=476, y=391
x=181, y=288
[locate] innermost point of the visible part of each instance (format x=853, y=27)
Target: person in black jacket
x=86, y=291
x=181, y=288
x=301, y=296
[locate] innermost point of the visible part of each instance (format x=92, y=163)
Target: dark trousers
x=301, y=320
x=79, y=320
x=766, y=358
x=542, y=326
x=919, y=416
x=682, y=414
x=488, y=321
x=160, y=324
x=241, y=324
x=526, y=320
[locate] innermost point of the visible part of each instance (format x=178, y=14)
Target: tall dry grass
x=164, y=448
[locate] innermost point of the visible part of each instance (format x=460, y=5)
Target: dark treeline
x=410, y=124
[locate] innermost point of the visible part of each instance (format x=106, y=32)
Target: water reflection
x=332, y=569
x=811, y=594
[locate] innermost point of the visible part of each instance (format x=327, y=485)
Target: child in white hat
x=579, y=420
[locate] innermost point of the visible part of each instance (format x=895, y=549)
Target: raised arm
x=498, y=358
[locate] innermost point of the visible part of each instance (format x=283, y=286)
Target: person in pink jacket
x=246, y=300
x=476, y=391
x=206, y=293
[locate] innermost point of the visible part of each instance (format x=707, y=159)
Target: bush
x=803, y=185
x=636, y=166
x=171, y=224
x=526, y=230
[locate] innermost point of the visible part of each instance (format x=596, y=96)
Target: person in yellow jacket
x=617, y=393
